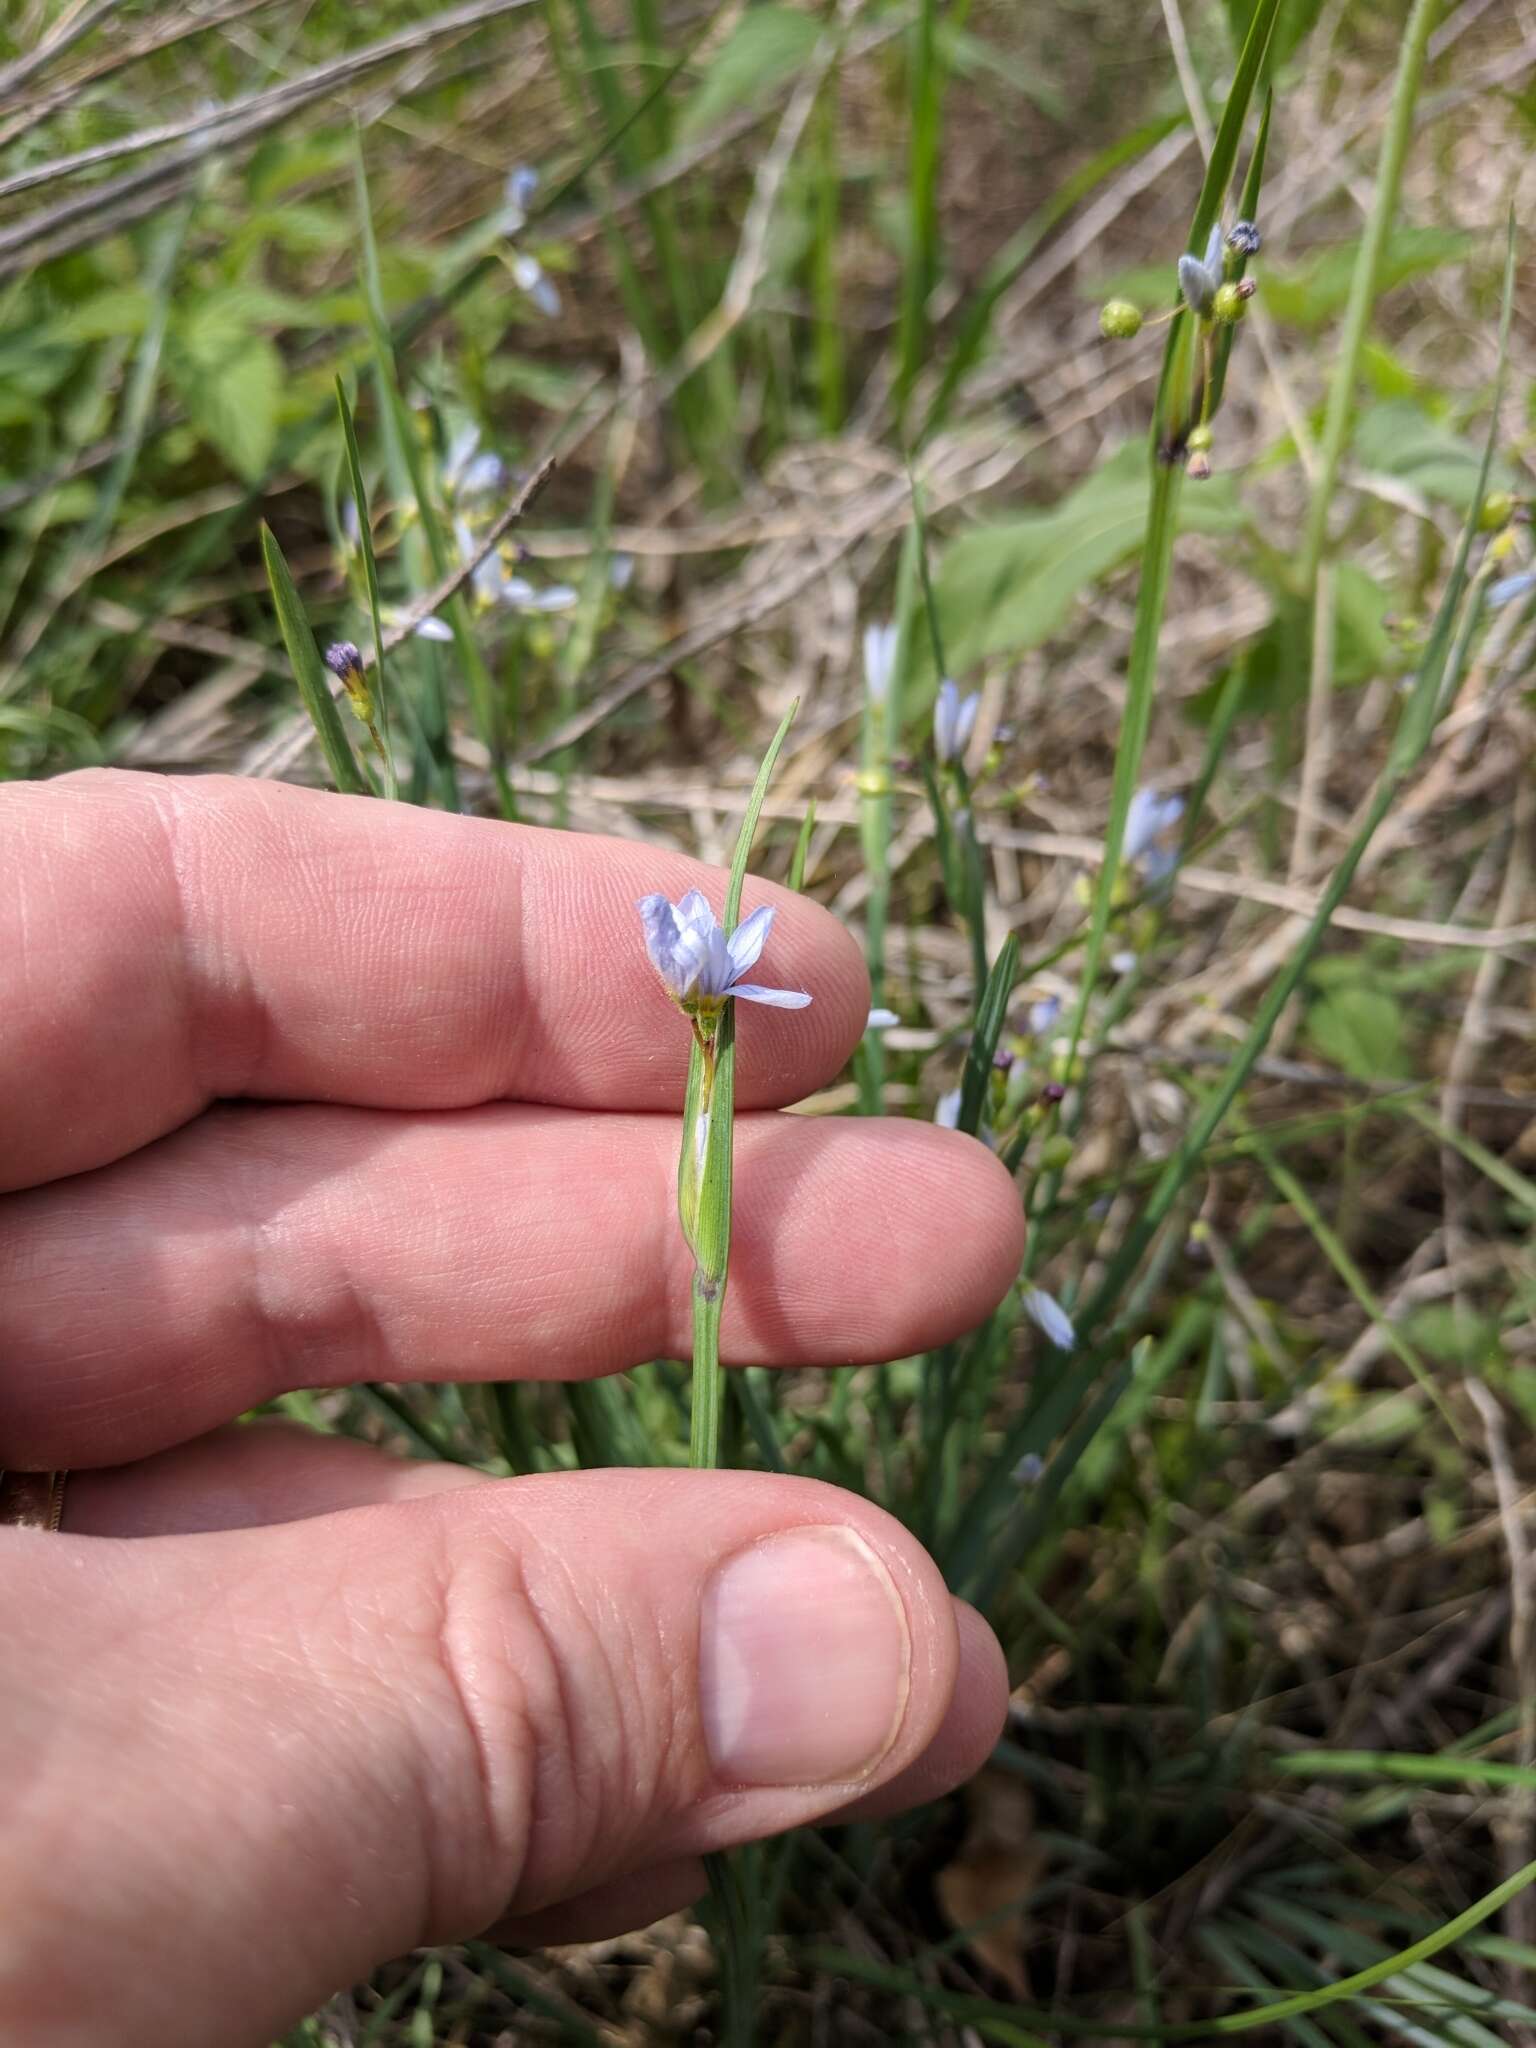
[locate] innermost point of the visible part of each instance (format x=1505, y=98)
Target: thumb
x=244, y=1768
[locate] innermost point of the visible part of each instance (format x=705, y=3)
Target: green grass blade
x=802, y=847
x=991, y=1015
x=310, y=672
x=371, y=574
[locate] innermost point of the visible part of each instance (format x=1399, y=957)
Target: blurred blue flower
x=527, y=271
x=494, y=584
x=946, y=1111
x=517, y=197
x=469, y=473
x=702, y=968
x=954, y=720
x=879, y=659
x=1508, y=588
x=1042, y=1015
x=530, y=276
x=881, y=1020
x=1148, y=822
x=1199, y=281
x=1050, y=1318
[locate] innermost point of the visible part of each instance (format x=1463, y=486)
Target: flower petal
x=461, y=452
x=879, y=659
x=1213, y=250
x=946, y=715
x=1509, y=587
x=1049, y=1317
x=775, y=998
x=659, y=921
x=747, y=941
x=693, y=909
x=1196, y=283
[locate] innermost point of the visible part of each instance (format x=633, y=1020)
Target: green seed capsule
x=1229, y=304
x=1498, y=510
x=1119, y=319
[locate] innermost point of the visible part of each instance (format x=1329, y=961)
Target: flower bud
x=1498, y=510
x=346, y=664
x=1198, y=467
x=1244, y=237
x=1200, y=440
x=1119, y=319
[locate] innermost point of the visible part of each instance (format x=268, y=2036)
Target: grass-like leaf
x=310, y=672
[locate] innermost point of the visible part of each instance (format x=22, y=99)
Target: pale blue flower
x=1198, y=280
x=429, y=628
x=495, y=585
x=1028, y=1470
x=519, y=595
x=1050, y=1318
x=1042, y=1015
x=879, y=659
x=530, y=276
x=1123, y=962
x=1508, y=588
x=517, y=197
x=954, y=720
x=527, y=271
x=700, y=967
x=470, y=473
x=1148, y=822
x=946, y=1111
x=881, y=1020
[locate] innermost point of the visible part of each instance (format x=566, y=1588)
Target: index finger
x=172, y=941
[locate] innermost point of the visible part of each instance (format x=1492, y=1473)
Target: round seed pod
x=1119, y=319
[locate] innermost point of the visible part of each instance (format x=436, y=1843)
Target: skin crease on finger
x=261, y=1249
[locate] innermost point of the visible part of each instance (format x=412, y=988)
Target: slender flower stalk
x=883, y=659
x=702, y=964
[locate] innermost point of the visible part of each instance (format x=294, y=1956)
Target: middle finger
x=261, y=1249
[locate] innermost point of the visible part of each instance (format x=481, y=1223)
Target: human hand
x=299, y=1089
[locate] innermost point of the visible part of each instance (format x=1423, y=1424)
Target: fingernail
x=804, y=1660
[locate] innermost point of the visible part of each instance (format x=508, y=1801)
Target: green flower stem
x=704, y=1206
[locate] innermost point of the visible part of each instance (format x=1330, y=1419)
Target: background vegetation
x=794, y=273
